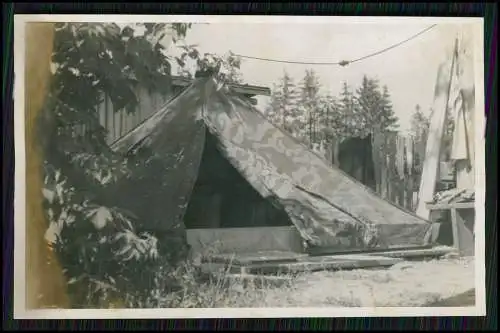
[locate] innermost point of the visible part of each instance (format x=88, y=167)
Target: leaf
x=149, y=27
x=160, y=38
x=194, y=54
x=100, y=217
x=180, y=62
x=49, y=195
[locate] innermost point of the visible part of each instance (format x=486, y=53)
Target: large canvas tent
x=326, y=206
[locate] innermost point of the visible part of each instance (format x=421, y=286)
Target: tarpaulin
x=322, y=202
x=167, y=150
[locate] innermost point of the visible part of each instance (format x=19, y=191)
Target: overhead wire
x=342, y=63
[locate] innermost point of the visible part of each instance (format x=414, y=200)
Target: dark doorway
x=356, y=159
x=222, y=198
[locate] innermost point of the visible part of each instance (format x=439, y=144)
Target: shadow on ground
x=467, y=298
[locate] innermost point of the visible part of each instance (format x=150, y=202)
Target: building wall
x=119, y=123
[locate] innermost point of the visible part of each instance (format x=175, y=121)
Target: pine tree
x=375, y=108
x=274, y=106
x=347, y=122
x=387, y=119
x=330, y=117
x=419, y=130
x=311, y=105
x=328, y=124
x=370, y=106
x=282, y=109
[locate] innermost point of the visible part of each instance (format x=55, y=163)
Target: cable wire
x=342, y=63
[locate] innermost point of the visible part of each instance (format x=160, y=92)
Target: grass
x=405, y=284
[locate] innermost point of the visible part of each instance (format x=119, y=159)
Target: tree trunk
x=45, y=285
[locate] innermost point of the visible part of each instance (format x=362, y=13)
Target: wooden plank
x=321, y=251
x=408, y=182
x=257, y=257
x=413, y=252
x=464, y=234
x=401, y=193
x=256, y=280
x=245, y=89
x=105, y=112
x=122, y=127
x=451, y=205
x=384, y=179
x=116, y=121
x=418, y=253
x=355, y=257
x=377, y=160
x=409, y=193
x=102, y=112
x=436, y=131
x=392, y=169
x=327, y=263
x=454, y=228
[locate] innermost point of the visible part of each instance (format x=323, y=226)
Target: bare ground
x=406, y=284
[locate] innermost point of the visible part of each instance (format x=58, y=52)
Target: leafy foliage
x=103, y=253
x=225, y=68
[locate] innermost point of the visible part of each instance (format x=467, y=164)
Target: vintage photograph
x=265, y=162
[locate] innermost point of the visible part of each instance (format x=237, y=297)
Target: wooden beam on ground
x=418, y=253
x=312, y=264
x=433, y=147
x=324, y=251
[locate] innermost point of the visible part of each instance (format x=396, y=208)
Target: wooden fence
x=397, y=175
x=397, y=162
x=118, y=123
x=398, y=168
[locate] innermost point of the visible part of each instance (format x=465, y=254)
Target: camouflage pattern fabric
x=323, y=202
x=167, y=147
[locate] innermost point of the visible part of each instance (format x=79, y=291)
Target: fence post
x=377, y=160
x=409, y=173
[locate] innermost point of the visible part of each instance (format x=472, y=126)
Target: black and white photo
x=315, y=166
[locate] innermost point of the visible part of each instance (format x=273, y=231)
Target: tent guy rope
x=342, y=63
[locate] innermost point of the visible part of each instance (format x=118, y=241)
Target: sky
x=409, y=71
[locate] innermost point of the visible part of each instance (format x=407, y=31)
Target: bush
x=107, y=251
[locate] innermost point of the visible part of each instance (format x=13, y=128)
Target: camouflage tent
x=326, y=206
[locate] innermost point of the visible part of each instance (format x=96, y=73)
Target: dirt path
x=405, y=284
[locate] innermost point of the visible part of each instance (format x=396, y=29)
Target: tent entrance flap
x=166, y=151
x=223, y=198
